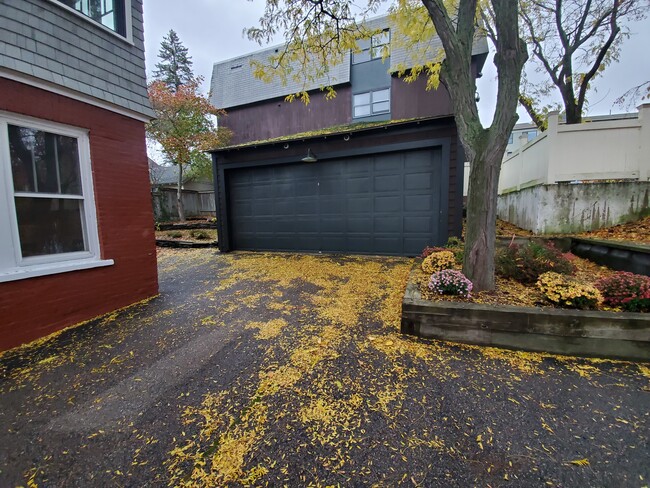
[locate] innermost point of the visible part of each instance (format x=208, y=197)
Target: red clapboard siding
x=34, y=307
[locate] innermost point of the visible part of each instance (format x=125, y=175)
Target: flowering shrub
x=438, y=261
x=428, y=251
x=450, y=282
x=526, y=263
x=629, y=291
x=567, y=292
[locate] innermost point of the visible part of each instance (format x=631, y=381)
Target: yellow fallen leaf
x=580, y=462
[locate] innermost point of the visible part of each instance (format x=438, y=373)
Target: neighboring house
x=77, y=237
x=520, y=135
x=386, y=175
x=523, y=133
x=198, y=195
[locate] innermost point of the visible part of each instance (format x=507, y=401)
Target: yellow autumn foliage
x=568, y=292
x=438, y=261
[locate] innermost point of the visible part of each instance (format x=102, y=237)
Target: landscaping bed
x=544, y=300
x=188, y=238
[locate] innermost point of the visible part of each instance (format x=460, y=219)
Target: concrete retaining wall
x=568, y=208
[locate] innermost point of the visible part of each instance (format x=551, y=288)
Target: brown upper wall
x=409, y=100
x=275, y=118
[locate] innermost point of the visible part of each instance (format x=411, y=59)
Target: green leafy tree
x=319, y=33
x=572, y=42
x=175, y=66
x=183, y=127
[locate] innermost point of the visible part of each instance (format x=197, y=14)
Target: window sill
x=15, y=274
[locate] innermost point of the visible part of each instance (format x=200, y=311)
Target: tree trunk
x=485, y=167
x=179, y=194
x=573, y=112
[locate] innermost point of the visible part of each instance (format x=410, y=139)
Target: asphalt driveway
x=256, y=370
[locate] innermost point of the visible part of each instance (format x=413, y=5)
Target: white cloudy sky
x=212, y=31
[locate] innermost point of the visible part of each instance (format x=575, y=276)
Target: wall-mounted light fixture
x=310, y=158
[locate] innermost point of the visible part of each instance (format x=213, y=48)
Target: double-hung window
x=371, y=103
x=109, y=13
x=47, y=212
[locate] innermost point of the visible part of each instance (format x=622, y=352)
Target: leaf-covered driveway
x=257, y=370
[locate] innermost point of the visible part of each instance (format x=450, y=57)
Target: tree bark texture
x=179, y=194
x=484, y=147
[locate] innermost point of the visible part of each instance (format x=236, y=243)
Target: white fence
x=599, y=150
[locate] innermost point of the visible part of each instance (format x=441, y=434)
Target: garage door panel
x=359, y=205
x=359, y=225
x=389, y=163
x=306, y=188
x=388, y=183
x=334, y=242
x=418, y=203
x=306, y=206
x=385, y=204
x=418, y=181
x=359, y=185
x=391, y=245
x=388, y=204
x=388, y=223
x=307, y=225
x=418, y=225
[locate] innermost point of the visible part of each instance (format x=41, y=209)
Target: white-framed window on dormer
x=112, y=14
x=371, y=103
x=47, y=211
x=373, y=48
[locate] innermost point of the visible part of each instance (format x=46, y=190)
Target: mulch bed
x=511, y=292
x=637, y=232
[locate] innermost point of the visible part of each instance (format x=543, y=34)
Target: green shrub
x=199, y=234
x=629, y=291
x=567, y=292
x=175, y=234
x=438, y=261
x=526, y=263
x=454, y=242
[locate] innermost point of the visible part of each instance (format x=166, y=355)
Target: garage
x=387, y=193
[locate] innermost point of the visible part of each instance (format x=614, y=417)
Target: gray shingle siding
x=232, y=88
x=45, y=40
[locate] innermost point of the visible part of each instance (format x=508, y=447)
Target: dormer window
x=109, y=13
x=372, y=48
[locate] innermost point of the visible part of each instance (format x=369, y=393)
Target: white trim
x=13, y=265
x=75, y=95
x=128, y=14
x=52, y=268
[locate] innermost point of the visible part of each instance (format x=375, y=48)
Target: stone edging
x=187, y=226
x=558, y=331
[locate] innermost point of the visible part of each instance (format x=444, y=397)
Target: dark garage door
x=381, y=204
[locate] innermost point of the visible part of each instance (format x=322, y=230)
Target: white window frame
x=13, y=266
x=128, y=20
x=371, y=104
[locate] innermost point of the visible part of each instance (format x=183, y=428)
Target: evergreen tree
x=175, y=67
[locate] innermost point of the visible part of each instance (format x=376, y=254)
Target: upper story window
x=48, y=216
x=372, y=48
x=371, y=103
x=532, y=134
x=511, y=138
x=109, y=13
